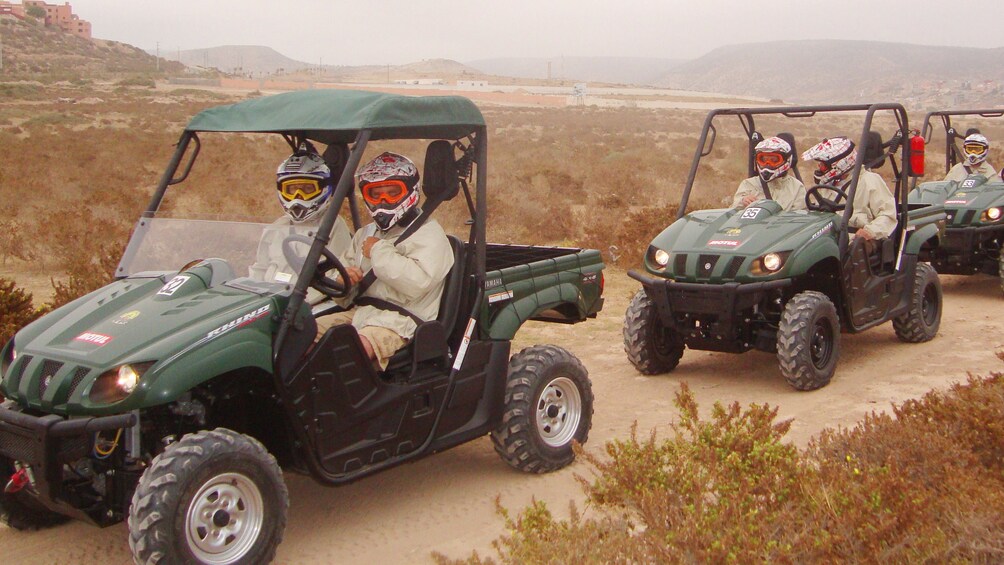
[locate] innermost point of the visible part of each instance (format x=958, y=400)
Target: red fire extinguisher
x=916, y=155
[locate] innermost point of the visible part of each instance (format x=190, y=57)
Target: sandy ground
x=445, y=503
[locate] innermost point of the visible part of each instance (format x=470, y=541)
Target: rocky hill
x=30, y=50
x=824, y=71
x=239, y=59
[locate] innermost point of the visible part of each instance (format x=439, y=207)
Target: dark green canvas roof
x=337, y=115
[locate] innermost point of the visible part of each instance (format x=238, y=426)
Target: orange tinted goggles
x=387, y=191
x=769, y=160
x=304, y=189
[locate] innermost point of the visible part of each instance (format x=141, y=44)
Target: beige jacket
x=270, y=264
x=959, y=173
x=874, y=205
x=787, y=191
x=411, y=275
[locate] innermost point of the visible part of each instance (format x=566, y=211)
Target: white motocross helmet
x=304, y=184
x=389, y=185
x=835, y=157
x=975, y=149
x=772, y=158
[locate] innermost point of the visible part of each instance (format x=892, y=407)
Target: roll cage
x=747, y=118
x=953, y=155
x=354, y=118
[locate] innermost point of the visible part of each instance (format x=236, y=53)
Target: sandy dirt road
x=445, y=502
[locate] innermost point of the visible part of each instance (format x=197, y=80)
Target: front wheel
x=808, y=341
x=651, y=347
x=922, y=320
x=548, y=404
x=213, y=497
x=1000, y=268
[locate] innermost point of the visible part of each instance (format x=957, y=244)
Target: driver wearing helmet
x=410, y=275
x=772, y=158
x=304, y=185
x=975, y=149
x=874, y=206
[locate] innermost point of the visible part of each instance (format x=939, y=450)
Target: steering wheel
x=327, y=285
x=818, y=203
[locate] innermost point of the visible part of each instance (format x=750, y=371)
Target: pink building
x=55, y=15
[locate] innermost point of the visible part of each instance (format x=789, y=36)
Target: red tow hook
x=17, y=481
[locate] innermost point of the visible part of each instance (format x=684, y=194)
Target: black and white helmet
x=304, y=184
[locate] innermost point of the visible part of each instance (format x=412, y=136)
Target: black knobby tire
x=922, y=320
x=548, y=404
x=20, y=510
x=808, y=341
x=651, y=347
x=1000, y=268
x=208, y=483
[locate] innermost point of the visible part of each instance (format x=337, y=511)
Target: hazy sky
x=403, y=31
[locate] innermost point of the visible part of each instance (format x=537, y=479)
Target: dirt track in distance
x=445, y=502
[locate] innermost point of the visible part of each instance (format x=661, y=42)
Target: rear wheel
x=650, y=346
x=922, y=321
x=548, y=404
x=808, y=341
x=20, y=510
x=212, y=497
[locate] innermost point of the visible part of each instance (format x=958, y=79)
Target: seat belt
x=766, y=190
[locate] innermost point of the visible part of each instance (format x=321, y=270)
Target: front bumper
x=48, y=442
x=969, y=250
x=711, y=317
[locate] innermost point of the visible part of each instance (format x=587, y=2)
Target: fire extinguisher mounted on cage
x=916, y=154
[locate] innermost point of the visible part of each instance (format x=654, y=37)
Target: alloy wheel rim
x=224, y=519
x=559, y=411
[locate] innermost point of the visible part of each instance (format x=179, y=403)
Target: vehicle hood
x=729, y=240
x=964, y=201
x=134, y=320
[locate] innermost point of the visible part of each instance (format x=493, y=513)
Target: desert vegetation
x=82, y=159
x=922, y=484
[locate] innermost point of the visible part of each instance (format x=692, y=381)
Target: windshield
x=253, y=250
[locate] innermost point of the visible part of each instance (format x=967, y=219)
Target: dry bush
x=924, y=486
x=16, y=309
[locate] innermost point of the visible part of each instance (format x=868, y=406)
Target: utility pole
x=158, y=56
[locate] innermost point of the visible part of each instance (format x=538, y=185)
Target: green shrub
x=16, y=309
x=923, y=486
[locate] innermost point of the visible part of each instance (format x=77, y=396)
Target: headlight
x=993, y=214
x=117, y=384
x=772, y=262
x=769, y=263
x=661, y=257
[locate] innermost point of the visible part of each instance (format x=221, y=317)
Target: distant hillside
x=238, y=59
x=824, y=71
x=32, y=50
x=619, y=70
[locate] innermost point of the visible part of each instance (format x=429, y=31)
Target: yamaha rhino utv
x=974, y=230
x=173, y=396
x=786, y=282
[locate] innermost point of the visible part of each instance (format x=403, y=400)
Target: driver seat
x=430, y=344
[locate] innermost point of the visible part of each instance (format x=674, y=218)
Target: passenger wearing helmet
x=410, y=274
x=975, y=149
x=772, y=158
x=304, y=185
x=874, y=206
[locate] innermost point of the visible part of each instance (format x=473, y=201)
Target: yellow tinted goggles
x=975, y=148
x=304, y=189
